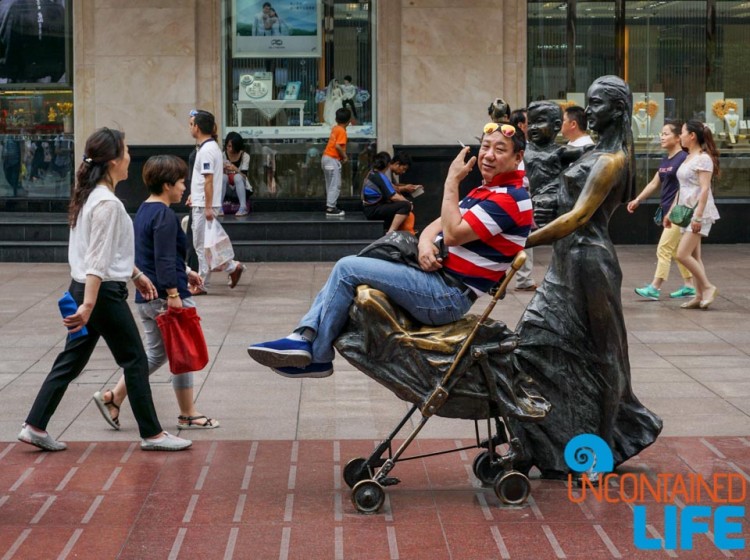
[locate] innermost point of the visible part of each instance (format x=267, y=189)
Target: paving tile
x=268, y=483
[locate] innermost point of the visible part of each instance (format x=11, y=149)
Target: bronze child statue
x=544, y=159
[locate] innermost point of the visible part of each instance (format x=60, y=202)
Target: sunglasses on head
x=507, y=130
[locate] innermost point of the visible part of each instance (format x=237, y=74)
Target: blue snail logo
x=589, y=452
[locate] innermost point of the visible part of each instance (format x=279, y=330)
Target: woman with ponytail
x=101, y=254
x=695, y=175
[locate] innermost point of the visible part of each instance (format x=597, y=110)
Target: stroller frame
x=368, y=477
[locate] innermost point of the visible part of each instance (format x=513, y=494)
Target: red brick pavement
x=286, y=500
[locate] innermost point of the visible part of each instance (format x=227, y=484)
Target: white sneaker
x=45, y=442
x=166, y=442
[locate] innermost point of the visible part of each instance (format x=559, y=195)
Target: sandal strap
x=190, y=420
x=111, y=401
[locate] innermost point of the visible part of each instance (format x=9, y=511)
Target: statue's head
x=499, y=111
x=609, y=101
x=610, y=104
x=543, y=122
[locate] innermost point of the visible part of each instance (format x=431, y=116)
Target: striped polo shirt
x=501, y=215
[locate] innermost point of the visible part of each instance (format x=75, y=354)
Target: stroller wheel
x=484, y=470
x=368, y=496
x=356, y=470
x=512, y=488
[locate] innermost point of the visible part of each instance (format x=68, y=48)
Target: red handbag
x=183, y=339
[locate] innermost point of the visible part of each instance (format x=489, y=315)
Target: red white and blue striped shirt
x=500, y=213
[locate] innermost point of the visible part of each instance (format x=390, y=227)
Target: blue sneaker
x=648, y=292
x=321, y=369
x=282, y=353
x=684, y=292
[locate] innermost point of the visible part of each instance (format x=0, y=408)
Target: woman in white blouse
x=101, y=255
x=694, y=175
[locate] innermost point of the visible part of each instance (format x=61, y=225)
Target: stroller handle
x=440, y=395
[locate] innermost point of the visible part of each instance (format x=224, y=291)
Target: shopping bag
x=217, y=246
x=183, y=339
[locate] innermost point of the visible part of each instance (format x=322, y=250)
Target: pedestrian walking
x=101, y=256
x=206, y=193
x=160, y=251
x=666, y=251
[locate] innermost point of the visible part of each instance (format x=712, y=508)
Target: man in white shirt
x=205, y=193
x=574, y=127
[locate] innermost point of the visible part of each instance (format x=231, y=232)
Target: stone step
x=259, y=237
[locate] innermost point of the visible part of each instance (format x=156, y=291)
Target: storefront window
x=683, y=60
x=289, y=65
x=36, y=99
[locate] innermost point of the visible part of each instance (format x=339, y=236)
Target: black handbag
x=399, y=247
x=396, y=246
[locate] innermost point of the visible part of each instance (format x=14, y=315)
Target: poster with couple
x=34, y=43
x=282, y=28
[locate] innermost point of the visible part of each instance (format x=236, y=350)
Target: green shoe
x=648, y=292
x=684, y=292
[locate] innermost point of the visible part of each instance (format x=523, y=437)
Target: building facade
x=421, y=75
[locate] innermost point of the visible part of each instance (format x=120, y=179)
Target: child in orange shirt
x=333, y=156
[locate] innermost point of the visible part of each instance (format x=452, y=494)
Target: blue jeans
x=425, y=295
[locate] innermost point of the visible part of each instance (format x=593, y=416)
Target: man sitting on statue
x=482, y=234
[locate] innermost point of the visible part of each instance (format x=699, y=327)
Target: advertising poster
x=33, y=37
x=282, y=28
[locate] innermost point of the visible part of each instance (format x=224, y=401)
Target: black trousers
x=113, y=321
x=386, y=211
x=350, y=103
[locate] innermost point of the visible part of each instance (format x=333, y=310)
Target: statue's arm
x=568, y=154
x=605, y=173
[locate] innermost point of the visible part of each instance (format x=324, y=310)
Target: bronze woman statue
x=573, y=341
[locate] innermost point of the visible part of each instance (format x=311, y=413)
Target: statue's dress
x=573, y=343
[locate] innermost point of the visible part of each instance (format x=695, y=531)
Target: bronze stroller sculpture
x=570, y=344
x=479, y=384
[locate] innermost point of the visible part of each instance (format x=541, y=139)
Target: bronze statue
x=544, y=159
x=569, y=372
x=572, y=337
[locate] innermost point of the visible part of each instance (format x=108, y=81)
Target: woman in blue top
x=666, y=178
x=160, y=249
x=379, y=198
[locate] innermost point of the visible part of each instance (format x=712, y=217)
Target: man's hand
x=195, y=280
x=428, y=257
x=459, y=168
x=209, y=213
x=408, y=188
